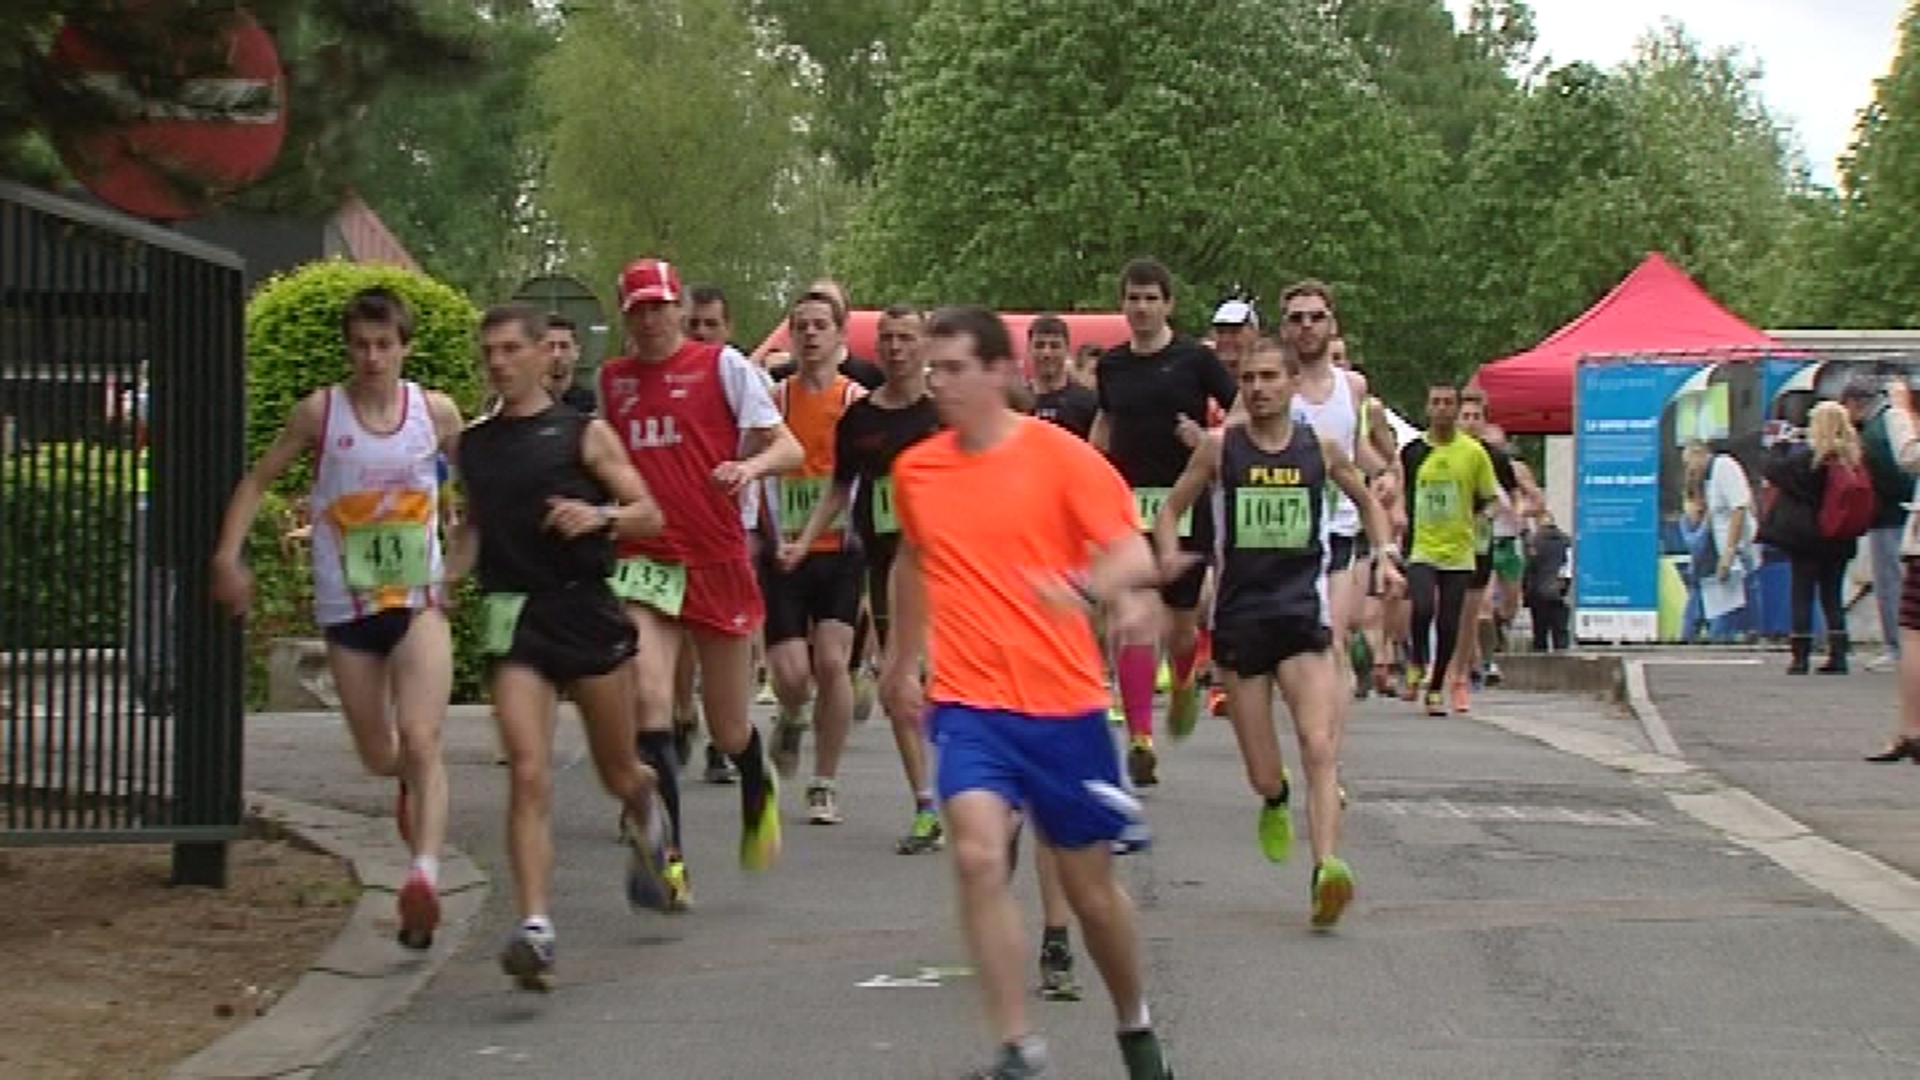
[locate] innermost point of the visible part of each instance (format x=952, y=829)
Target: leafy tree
x=1450, y=80
x=848, y=53
x=454, y=170
x=1671, y=151
x=1029, y=152
x=1879, y=245
x=674, y=134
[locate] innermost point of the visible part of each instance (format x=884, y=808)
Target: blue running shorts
x=1063, y=771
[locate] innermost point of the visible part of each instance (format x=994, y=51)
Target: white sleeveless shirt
x=1339, y=420
x=375, y=512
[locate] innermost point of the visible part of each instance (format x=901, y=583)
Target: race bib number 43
x=1275, y=519
x=660, y=586
x=387, y=555
x=1148, y=502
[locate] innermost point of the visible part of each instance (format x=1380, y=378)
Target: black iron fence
x=122, y=424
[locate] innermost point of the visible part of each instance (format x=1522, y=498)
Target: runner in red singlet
x=681, y=407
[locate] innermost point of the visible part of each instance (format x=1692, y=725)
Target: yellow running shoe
x=760, y=833
x=679, y=890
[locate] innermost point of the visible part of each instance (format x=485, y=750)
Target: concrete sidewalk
x=1797, y=742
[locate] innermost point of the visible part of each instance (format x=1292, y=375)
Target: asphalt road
x=1521, y=913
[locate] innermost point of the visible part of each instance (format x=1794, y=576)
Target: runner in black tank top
x=546, y=487
x=1268, y=479
x=1270, y=520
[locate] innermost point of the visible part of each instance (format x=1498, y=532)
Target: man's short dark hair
x=378, y=304
x=991, y=341
x=1147, y=272
x=1271, y=343
x=1444, y=383
x=533, y=322
x=701, y=295
x=557, y=321
x=903, y=311
x=1050, y=325
x=819, y=297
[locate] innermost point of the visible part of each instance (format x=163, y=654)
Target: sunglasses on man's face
x=1298, y=317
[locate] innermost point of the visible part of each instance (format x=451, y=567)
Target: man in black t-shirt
x=1153, y=396
x=563, y=352
x=1057, y=398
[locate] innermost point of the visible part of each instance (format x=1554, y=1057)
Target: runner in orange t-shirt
x=1019, y=702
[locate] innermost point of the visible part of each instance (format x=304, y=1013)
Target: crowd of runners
x=1215, y=521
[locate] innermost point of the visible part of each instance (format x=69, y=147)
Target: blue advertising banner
x=1618, y=457
x=1669, y=453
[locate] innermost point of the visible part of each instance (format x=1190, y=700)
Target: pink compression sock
x=1136, y=669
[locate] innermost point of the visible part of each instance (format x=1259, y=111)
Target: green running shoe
x=1332, y=891
x=1276, y=830
x=926, y=835
x=1183, y=709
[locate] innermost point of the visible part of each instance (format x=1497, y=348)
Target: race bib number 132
x=660, y=586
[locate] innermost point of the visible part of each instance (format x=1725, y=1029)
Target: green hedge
x=65, y=513
x=294, y=346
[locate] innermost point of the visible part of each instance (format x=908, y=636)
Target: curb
x=1882, y=893
x=364, y=975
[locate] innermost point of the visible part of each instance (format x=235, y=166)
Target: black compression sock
x=656, y=749
x=752, y=763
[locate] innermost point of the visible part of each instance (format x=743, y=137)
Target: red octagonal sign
x=173, y=154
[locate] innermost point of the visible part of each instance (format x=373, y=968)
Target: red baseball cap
x=648, y=279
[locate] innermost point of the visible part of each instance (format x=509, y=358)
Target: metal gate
x=122, y=431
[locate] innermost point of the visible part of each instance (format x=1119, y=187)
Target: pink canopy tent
x=1656, y=307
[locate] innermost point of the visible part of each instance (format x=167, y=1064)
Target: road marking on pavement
x=927, y=978
x=1447, y=809
x=1860, y=881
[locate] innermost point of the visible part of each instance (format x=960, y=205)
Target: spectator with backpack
x=1549, y=575
x=1892, y=487
x=1824, y=503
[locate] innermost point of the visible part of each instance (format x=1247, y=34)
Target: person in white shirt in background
x=1903, y=434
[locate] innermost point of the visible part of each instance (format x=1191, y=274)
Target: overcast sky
x=1820, y=56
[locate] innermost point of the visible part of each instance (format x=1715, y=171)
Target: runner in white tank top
x=375, y=512
x=375, y=442
x=1338, y=419
x=1309, y=327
